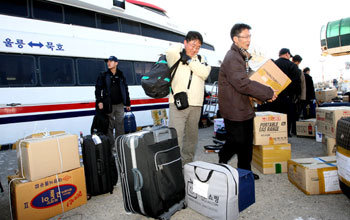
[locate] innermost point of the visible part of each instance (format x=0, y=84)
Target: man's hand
x=100, y=105
x=184, y=57
x=274, y=97
x=128, y=108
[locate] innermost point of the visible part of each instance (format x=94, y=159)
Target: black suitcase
x=99, y=164
x=150, y=167
x=343, y=133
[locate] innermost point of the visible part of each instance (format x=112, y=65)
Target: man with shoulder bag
x=187, y=88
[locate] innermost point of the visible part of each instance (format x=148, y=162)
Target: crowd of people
x=235, y=94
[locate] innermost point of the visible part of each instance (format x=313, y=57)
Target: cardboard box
x=345, y=98
x=327, y=118
x=343, y=163
x=314, y=175
x=270, y=159
x=37, y=135
x=40, y=199
x=326, y=95
x=306, y=127
x=218, y=123
x=160, y=117
x=269, y=74
x=328, y=145
x=48, y=155
x=270, y=128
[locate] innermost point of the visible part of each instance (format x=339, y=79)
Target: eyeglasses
x=245, y=37
x=194, y=46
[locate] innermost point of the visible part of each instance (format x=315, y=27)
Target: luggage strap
x=138, y=180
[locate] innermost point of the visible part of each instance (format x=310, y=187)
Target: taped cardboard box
x=327, y=118
x=314, y=175
x=306, y=127
x=270, y=128
x=47, y=155
x=326, y=95
x=38, y=135
x=269, y=74
x=160, y=117
x=343, y=163
x=270, y=159
x=41, y=199
x=328, y=145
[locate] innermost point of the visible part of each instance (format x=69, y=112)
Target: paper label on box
x=343, y=164
x=96, y=139
x=200, y=188
x=331, y=181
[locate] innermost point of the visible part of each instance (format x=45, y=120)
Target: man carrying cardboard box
x=235, y=88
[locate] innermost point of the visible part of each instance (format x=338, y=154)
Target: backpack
x=157, y=81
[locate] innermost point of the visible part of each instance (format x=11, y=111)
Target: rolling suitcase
x=343, y=164
x=246, y=189
x=99, y=164
x=212, y=189
x=150, y=167
x=343, y=133
x=129, y=123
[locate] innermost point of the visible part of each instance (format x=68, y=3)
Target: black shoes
x=256, y=176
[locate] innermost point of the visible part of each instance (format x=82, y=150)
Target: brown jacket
x=235, y=88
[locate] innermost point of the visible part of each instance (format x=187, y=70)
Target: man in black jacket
x=310, y=95
x=112, y=95
x=286, y=101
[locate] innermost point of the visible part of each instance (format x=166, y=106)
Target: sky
x=275, y=24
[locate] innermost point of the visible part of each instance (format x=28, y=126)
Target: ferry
x=52, y=51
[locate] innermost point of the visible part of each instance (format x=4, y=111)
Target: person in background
x=192, y=71
x=310, y=95
x=301, y=100
x=287, y=99
x=112, y=94
x=234, y=92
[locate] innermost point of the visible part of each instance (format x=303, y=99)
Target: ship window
x=208, y=46
x=47, y=11
x=79, y=17
x=130, y=27
x=214, y=75
x=108, y=23
x=14, y=7
x=88, y=70
x=56, y=71
x=17, y=70
x=127, y=68
x=140, y=69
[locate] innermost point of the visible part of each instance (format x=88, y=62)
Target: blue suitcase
x=246, y=189
x=129, y=123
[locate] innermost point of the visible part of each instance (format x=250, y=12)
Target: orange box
x=40, y=199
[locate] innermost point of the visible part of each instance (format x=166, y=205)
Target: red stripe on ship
x=68, y=106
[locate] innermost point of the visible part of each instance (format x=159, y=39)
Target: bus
x=51, y=52
x=335, y=37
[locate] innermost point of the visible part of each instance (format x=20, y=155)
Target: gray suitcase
x=212, y=189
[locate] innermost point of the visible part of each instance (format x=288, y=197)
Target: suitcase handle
x=100, y=170
x=208, y=177
x=138, y=180
x=162, y=135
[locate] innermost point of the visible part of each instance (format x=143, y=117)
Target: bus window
x=79, y=17
x=56, y=71
x=14, y=7
x=108, y=22
x=130, y=27
x=345, y=32
x=139, y=70
x=214, y=75
x=127, y=68
x=88, y=70
x=333, y=34
x=17, y=70
x=47, y=11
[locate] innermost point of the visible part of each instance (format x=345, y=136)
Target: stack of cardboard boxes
x=320, y=175
x=50, y=180
x=271, y=149
x=306, y=127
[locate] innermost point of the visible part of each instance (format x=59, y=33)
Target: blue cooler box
x=246, y=189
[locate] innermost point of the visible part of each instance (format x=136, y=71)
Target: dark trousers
x=239, y=140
